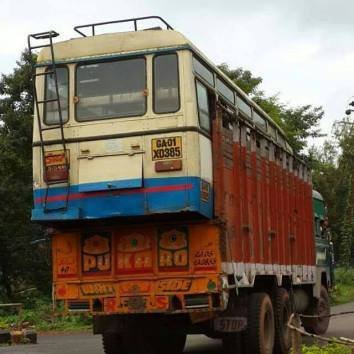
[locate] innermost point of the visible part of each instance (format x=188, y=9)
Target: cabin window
x=203, y=106
x=272, y=132
x=51, y=115
x=111, y=89
x=243, y=106
x=281, y=140
x=203, y=72
x=225, y=91
x=259, y=121
x=166, y=84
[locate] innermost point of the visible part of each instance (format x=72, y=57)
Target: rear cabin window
x=203, y=106
x=201, y=70
x=166, y=84
x=51, y=115
x=111, y=89
x=259, y=120
x=225, y=90
x=243, y=106
x=272, y=132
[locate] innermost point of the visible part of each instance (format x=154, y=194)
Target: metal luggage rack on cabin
x=134, y=20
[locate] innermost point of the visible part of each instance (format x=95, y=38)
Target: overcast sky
x=303, y=49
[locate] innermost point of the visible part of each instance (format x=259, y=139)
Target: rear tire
x=260, y=326
x=321, y=307
x=282, y=312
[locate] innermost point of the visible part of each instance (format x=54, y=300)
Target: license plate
x=230, y=324
x=166, y=148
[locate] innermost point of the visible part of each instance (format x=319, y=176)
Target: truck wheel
x=282, y=312
x=171, y=344
x=320, y=308
x=260, y=326
x=112, y=343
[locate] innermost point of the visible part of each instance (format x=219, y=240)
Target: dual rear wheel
x=267, y=330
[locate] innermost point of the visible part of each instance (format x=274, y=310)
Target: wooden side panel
x=263, y=200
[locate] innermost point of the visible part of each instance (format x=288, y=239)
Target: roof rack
x=134, y=20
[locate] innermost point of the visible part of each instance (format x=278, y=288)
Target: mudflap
x=234, y=318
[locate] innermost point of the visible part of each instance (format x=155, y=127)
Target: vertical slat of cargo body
x=291, y=208
x=244, y=189
x=303, y=214
x=238, y=193
x=274, y=236
x=268, y=230
x=250, y=196
x=255, y=202
x=278, y=191
x=259, y=179
x=229, y=187
x=265, y=206
x=289, y=246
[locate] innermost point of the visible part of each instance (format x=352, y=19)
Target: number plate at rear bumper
x=230, y=324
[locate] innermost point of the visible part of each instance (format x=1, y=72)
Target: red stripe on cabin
x=57, y=198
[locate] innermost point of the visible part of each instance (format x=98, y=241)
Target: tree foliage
x=333, y=169
x=298, y=123
x=23, y=264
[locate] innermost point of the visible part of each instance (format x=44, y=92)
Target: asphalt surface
x=86, y=343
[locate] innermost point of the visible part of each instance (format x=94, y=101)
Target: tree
x=22, y=263
x=298, y=123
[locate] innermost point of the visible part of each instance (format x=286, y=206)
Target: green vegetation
x=331, y=348
x=42, y=317
x=344, y=289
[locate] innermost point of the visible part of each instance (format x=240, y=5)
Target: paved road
x=85, y=343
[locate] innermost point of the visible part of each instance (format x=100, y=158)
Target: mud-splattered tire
x=171, y=344
x=282, y=312
x=112, y=343
x=260, y=326
x=321, y=307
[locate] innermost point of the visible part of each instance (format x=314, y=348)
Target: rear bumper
x=181, y=295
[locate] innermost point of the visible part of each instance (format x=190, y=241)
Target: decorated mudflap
x=143, y=269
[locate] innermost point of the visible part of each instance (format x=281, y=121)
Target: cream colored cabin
x=136, y=109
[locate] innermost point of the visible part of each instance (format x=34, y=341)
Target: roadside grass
x=331, y=348
x=343, y=291
x=42, y=317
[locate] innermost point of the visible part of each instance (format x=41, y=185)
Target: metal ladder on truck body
x=39, y=105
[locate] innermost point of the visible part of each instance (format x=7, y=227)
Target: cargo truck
x=175, y=203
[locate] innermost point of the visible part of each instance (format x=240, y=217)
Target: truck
x=175, y=204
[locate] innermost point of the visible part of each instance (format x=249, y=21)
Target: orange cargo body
x=264, y=201
x=145, y=269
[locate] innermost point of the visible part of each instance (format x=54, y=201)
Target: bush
x=332, y=348
x=343, y=292
x=43, y=318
